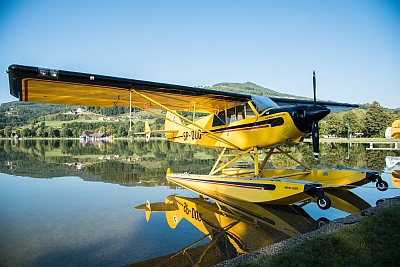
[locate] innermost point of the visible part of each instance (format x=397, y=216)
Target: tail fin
x=147, y=131
x=172, y=123
x=148, y=210
x=173, y=218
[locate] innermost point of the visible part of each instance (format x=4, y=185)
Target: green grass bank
x=372, y=241
x=367, y=238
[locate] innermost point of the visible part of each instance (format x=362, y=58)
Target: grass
x=203, y=155
x=58, y=124
x=354, y=140
x=55, y=153
x=372, y=242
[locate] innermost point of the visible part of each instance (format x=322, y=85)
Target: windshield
x=262, y=103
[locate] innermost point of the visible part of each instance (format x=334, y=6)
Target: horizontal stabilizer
x=148, y=131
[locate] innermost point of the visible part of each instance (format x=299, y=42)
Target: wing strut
x=185, y=119
x=130, y=111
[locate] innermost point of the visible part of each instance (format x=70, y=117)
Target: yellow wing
x=33, y=84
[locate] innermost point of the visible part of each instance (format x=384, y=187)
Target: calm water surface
x=69, y=204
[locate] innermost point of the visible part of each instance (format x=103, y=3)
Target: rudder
x=172, y=123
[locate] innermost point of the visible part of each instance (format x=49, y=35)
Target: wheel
x=322, y=222
x=324, y=202
x=382, y=185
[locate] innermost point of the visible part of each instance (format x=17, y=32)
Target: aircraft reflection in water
x=396, y=178
x=393, y=164
x=235, y=227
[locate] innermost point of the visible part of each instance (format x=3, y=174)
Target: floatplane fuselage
x=244, y=127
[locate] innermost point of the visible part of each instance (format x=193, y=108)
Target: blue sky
x=354, y=46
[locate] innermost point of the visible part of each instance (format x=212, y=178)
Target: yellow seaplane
x=238, y=124
x=395, y=129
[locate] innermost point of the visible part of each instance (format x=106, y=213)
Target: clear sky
x=353, y=45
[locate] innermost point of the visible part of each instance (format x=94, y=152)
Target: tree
x=375, y=120
x=66, y=132
x=353, y=120
x=50, y=132
x=334, y=124
x=139, y=127
x=56, y=133
x=8, y=131
x=25, y=132
x=42, y=125
x=39, y=132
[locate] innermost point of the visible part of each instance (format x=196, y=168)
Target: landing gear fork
x=323, y=201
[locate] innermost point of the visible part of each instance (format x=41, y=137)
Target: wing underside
x=32, y=84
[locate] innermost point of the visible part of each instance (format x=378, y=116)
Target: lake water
x=70, y=204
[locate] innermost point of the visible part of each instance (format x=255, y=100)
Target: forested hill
x=17, y=113
x=250, y=88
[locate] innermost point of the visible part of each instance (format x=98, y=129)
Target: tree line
x=370, y=120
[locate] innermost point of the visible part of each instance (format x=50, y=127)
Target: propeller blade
x=315, y=139
x=315, y=88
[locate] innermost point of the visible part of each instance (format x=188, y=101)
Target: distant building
x=92, y=136
x=98, y=135
x=85, y=135
x=80, y=110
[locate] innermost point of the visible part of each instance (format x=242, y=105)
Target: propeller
x=306, y=118
x=314, y=128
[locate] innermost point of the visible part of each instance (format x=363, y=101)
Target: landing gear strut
x=323, y=201
x=374, y=176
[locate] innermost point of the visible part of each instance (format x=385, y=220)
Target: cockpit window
x=219, y=119
x=239, y=113
x=244, y=111
x=262, y=103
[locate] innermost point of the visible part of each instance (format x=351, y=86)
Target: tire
x=324, y=202
x=322, y=222
x=382, y=185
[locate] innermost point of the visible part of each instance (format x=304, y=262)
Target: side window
x=240, y=115
x=219, y=119
x=231, y=115
x=249, y=112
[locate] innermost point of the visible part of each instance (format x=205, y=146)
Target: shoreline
x=333, y=226
x=306, y=140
